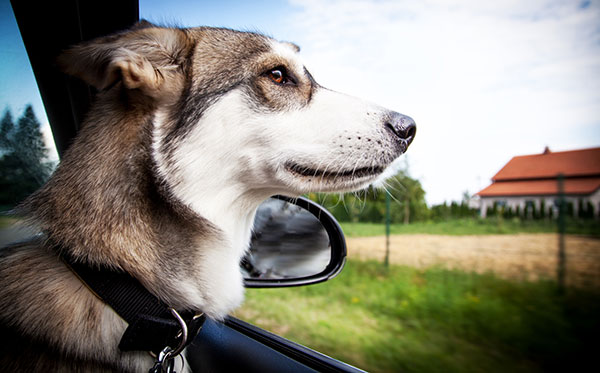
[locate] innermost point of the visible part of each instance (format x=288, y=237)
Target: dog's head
x=240, y=110
x=196, y=125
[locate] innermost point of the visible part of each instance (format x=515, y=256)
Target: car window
x=27, y=152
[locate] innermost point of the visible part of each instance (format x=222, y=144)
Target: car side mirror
x=294, y=242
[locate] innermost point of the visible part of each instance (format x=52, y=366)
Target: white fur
x=160, y=118
x=206, y=186
x=288, y=52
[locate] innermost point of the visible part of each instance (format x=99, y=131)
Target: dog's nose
x=401, y=126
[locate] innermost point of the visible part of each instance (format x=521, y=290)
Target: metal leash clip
x=165, y=362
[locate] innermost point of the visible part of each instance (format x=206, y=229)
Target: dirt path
x=525, y=256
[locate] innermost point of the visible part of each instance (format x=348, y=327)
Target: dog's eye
x=278, y=76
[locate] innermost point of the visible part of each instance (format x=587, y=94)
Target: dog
x=191, y=129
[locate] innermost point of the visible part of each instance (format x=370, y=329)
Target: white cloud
x=484, y=80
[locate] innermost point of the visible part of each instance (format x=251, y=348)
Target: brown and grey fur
x=116, y=197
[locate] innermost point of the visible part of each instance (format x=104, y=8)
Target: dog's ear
x=144, y=58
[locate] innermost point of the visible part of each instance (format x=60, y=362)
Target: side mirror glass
x=294, y=242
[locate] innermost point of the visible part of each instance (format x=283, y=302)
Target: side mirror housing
x=295, y=242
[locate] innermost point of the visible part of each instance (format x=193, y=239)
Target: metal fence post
x=387, y=230
x=561, y=222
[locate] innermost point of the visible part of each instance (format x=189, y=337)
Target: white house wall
x=595, y=201
x=520, y=202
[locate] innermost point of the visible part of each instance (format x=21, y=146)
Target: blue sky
x=263, y=16
x=17, y=84
x=485, y=81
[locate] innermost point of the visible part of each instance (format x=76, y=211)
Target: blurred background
x=483, y=252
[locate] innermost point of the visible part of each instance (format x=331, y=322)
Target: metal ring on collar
x=184, y=334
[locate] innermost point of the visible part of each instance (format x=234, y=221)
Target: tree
x=7, y=128
x=410, y=196
x=7, y=160
x=31, y=148
x=23, y=163
x=466, y=197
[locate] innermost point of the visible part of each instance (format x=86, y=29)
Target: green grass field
x=434, y=321
x=473, y=226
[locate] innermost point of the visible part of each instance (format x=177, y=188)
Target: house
x=531, y=182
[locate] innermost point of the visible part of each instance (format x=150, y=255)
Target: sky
x=17, y=84
x=484, y=81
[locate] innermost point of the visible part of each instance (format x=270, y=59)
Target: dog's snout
x=401, y=126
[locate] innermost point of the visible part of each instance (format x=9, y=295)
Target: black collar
x=152, y=323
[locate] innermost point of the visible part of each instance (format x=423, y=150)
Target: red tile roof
x=581, y=186
x=585, y=162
